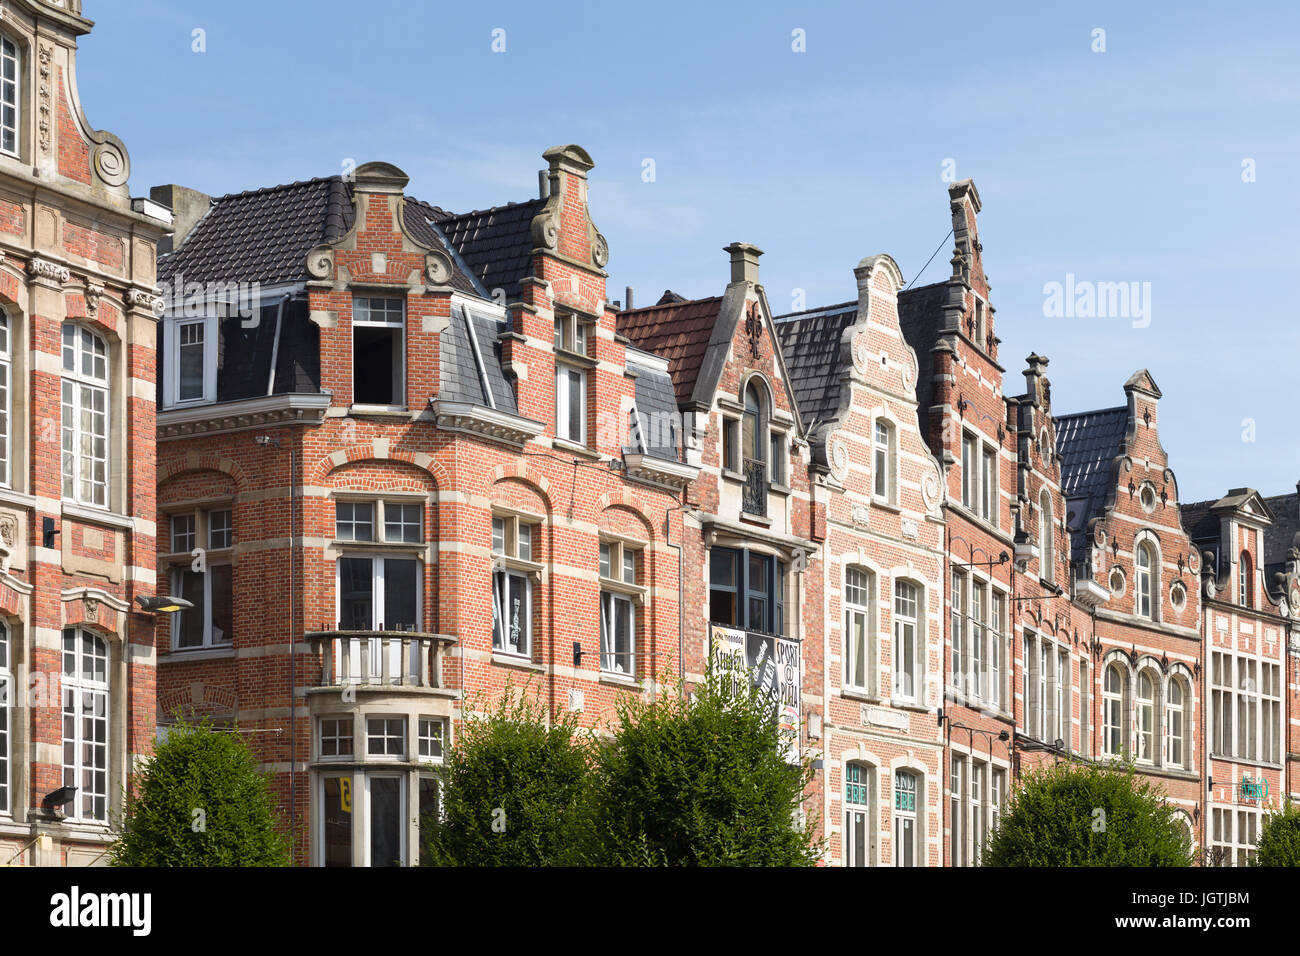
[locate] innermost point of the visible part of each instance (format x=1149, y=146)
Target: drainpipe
x=681, y=584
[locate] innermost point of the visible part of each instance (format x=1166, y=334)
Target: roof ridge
x=669, y=305
x=480, y=212
x=271, y=189
x=1094, y=411
x=791, y=316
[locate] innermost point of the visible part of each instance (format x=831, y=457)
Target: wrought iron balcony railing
x=754, y=495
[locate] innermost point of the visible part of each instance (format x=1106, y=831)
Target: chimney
x=188, y=206
x=627, y=297
x=744, y=262
x=543, y=183
x=1036, y=379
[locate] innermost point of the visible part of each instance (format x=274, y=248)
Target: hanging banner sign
x=773, y=665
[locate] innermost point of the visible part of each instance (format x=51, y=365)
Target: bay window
x=746, y=590
x=85, y=416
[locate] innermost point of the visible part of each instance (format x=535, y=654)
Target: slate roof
x=459, y=377
x=1201, y=524
x=1280, y=535
x=263, y=235
x=677, y=331
x=1088, y=442
x=810, y=343
x=494, y=244
x=658, y=433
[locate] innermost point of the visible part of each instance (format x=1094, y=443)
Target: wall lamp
x=60, y=798
x=162, y=603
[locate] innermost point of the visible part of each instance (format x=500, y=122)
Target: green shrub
x=1086, y=815
x=1279, y=840
x=200, y=801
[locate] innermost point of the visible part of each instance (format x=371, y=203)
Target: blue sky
x=1122, y=166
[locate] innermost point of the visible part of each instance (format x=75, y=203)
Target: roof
x=460, y=378
x=263, y=235
x=1088, y=442
x=920, y=317
x=1280, y=536
x=658, y=433
x=810, y=343
x=495, y=244
x=676, y=331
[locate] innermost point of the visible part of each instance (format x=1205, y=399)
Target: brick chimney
x=188, y=206
x=1036, y=383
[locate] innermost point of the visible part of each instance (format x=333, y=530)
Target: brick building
x=396, y=472
x=77, y=271
x=882, y=574
x=1245, y=630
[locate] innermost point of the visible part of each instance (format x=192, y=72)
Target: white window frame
x=403, y=814
x=512, y=559
x=400, y=326
x=84, y=695
x=905, y=664
x=884, y=461
x=859, y=618
x=391, y=727
x=381, y=517
x=565, y=389
x=6, y=396
x=431, y=741
x=172, y=342
x=1176, y=748
x=1046, y=539
x=6, y=716
x=903, y=816
x=398, y=669
x=11, y=62
x=860, y=816
x=336, y=737
x=1145, y=723
x=1114, y=724
x=1145, y=581
x=619, y=589
x=76, y=386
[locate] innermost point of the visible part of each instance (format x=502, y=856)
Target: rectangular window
x=881, y=461
x=182, y=533
x=746, y=589
x=1221, y=699
x=221, y=533
x=5, y=418
x=969, y=477
x=431, y=734
x=997, y=788
x=85, y=723
x=1271, y=713
x=1085, y=709
x=1247, y=702
x=336, y=737
x=977, y=818
x=957, y=810
x=571, y=404
x=379, y=594
x=978, y=637
x=210, y=622
x=906, y=640
x=402, y=522
x=6, y=702
x=858, y=605
x=354, y=521
x=189, y=361
x=997, y=651
x=378, y=351
x=1063, y=697
x=387, y=831
x=336, y=807
x=989, y=486
x=858, y=817
x=617, y=633
x=85, y=416
x=8, y=96
x=958, y=631
x=778, y=458
x=905, y=833
x=731, y=444
x=386, y=736
x=512, y=586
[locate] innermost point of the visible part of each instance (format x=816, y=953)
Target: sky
x=1162, y=151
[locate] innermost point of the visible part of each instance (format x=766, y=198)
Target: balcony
x=754, y=494
x=382, y=659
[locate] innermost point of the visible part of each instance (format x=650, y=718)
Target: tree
x=510, y=787
x=201, y=801
x=1279, y=840
x=1087, y=815
x=697, y=783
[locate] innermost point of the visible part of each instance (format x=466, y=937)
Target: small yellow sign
x=345, y=794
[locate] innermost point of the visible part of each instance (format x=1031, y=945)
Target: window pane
x=337, y=806
x=400, y=610
x=354, y=521
x=222, y=604
x=189, y=622
x=190, y=354
x=386, y=821
x=356, y=594
x=403, y=522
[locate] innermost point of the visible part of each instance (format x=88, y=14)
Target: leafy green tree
x=201, y=801
x=1088, y=815
x=700, y=782
x=509, y=789
x=1279, y=840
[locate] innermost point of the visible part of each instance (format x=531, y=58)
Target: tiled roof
x=677, y=331
x=658, y=433
x=810, y=343
x=1088, y=442
x=263, y=235
x=1200, y=523
x=495, y=244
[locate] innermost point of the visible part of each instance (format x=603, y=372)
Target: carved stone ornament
x=92, y=296
x=839, y=459
x=143, y=299
x=859, y=354
x=320, y=263
x=437, y=268
x=930, y=487
x=92, y=606
x=753, y=327
x=111, y=163
x=8, y=529
x=44, y=55
x=44, y=269
x=861, y=515
x=599, y=250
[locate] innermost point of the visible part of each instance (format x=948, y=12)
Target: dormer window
x=378, y=352
x=190, y=347
x=8, y=96
x=573, y=338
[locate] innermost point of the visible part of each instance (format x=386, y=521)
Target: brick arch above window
x=379, y=450
x=201, y=461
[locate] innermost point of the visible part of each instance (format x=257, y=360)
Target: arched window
x=1047, y=557
x=1112, y=712
x=906, y=833
x=859, y=815
x=1146, y=717
x=9, y=117
x=1176, y=723
x=6, y=702
x=859, y=616
x=753, y=445
x=884, y=459
x=85, y=416
x=85, y=723
x=1145, y=581
x=5, y=376
x=1245, y=581
x=907, y=617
